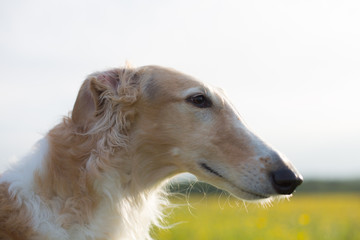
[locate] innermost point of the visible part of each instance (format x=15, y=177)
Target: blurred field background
x=314, y=212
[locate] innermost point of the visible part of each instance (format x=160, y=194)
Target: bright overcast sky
x=292, y=68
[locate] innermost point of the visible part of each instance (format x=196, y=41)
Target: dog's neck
x=110, y=193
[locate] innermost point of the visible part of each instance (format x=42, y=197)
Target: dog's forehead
x=168, y=84
x=171, y=76
x=159, y=81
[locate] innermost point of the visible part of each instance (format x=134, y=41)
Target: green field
x=305, y=216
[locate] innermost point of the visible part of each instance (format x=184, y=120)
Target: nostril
x=285, y=181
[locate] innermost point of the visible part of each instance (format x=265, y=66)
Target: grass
x=304, y=217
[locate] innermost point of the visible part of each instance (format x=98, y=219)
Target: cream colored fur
x=99, y=174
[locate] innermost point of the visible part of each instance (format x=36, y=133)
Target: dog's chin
x=248, y=195
x=256, y=197
x=242, y=194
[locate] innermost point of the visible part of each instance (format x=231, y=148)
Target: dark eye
x=199, y=101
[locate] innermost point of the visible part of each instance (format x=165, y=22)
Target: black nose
x=285, y=181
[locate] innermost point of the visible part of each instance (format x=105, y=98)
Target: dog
x=100, y=173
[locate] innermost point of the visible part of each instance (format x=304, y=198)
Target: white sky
x=291, y=67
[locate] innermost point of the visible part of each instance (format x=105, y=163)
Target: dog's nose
x=285, y=181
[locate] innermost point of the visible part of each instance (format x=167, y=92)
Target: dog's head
x=171, y=123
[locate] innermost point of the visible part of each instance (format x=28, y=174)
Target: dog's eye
x=199, y=101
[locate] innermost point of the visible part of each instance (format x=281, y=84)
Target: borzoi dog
x=99, y=174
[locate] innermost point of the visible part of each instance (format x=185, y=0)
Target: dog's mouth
x=250, y=194
x=210, y=170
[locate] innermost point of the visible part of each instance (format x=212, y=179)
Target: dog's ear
x=103, y=93
x=90, y=99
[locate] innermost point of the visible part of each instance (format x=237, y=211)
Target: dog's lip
x=233, y=185
x=253, y=194
x=210, y=169
x=257, y=195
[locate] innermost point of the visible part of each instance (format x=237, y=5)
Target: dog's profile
x=99, y=174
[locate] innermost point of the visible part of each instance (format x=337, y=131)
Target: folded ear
x=92, y=95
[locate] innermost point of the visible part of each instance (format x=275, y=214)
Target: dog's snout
x=285, y=181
